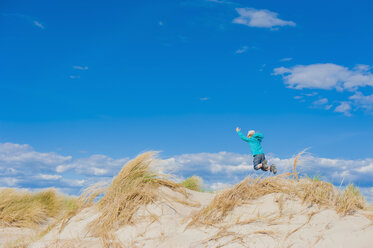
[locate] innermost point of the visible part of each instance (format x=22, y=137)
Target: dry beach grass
x=27, y=209
x=309, y=191
x=135, y=186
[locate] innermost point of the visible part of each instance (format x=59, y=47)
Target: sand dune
x=141, y=209
x=258, y=224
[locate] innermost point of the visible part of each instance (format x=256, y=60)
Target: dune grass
x=241, y=193
x=193, y=183
x=312, y=191
x=350, y=200
x=317, y=192
x=26, y=209
x=133, y=187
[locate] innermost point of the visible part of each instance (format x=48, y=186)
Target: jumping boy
x=255, y=140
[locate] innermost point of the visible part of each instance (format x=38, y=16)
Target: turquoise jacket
x=254, y=142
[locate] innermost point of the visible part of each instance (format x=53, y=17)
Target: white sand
x=10, y=235
x=293, y=228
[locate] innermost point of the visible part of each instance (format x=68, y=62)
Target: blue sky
x=84, y=79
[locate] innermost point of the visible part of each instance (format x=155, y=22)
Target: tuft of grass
x=350, y=200
x=316, y=178
x=242, y=193
x=316, y=192
x=26, y=209
x=193, y=183
x=133, y=187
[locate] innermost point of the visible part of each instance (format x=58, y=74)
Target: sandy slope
x=12, y=234
x=258, y=224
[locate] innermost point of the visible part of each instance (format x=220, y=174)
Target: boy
x=255, y=140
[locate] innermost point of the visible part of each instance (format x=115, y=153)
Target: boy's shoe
x=273, y=169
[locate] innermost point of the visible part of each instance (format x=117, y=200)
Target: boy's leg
x=271, y=168
x=257, y=162
x=260, y=162
x=264, y=166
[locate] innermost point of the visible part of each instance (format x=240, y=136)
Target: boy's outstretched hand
x=238, y=129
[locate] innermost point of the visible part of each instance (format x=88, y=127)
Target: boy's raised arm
x=243, y=137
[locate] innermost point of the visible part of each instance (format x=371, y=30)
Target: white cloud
x=220, y=1
x=38, y=24
x=78, y=67
x=9, y=181
x=16, y=154
x=344, y=107
x=20, y=165
x=226, y=168
x=362, y=101
x=220, y=186
x=242, y=50
x=285, y=59
x=332, y=77
x=218, y=170
x=260, y=18
x=325, y=76
x=95, y=165
x=27, y=18
x=74, y=77
x=360, y=67
x=49, y=177
x=311, y=94
x=368, y=193
x=322, y=102
x=74, y=183
x=204, y=98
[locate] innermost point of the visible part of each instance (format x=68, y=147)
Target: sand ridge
x=259, y=223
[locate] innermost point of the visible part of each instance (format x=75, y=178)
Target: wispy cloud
x=220, y=1
x=204, y=98
x=332, y=77
x=344, y=107
x=34, y=21
x=311, y=94
x=260, y=18
x=285, y=59
x=365, y=102
x=206, y=3
x=74, y=76
x=78, y=67
x=322, y=103
x=242, y=50
x=38, y=24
